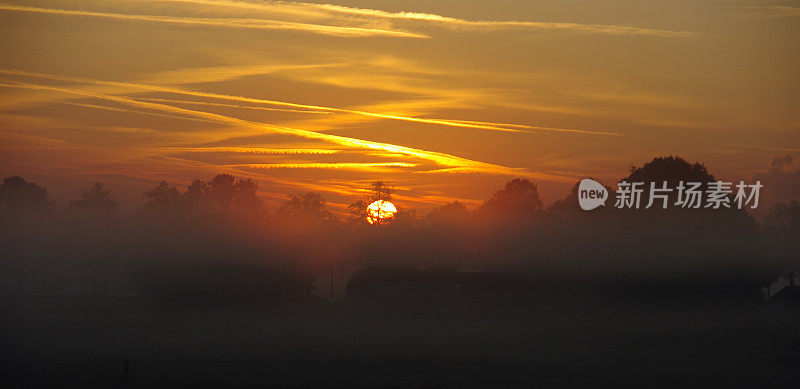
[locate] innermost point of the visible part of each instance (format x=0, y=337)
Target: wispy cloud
x=443, y=159
x=116, y=109
x=257, y=24
x=208, y=74
x=206, y=103
x=472, y=170
x=434, y=121
x=249, y=150
x=357, y=166
x=493, y=25
x=329, y=10
x=773, y=11
x=540, y=128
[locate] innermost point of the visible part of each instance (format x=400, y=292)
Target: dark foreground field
x=547, y=340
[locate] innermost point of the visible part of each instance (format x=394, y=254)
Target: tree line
x=218, y=236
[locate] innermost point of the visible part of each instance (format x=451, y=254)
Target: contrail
x=257, y=24
x=554, y=129
x=325, y=10
x=115, y=109
x=444, y=122
x=248, y=150
x=442, y=159
x=233, y=106
x=367, y=166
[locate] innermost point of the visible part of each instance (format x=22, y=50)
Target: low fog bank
x=216, y=241
x=206, y=286
x=198, y=260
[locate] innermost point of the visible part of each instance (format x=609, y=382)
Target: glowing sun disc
x=380, y=211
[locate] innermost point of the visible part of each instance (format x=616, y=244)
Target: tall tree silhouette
x=18, y=196
x=198, y=199
x=96, y=201
x=358, y=211
x=309, y=207
x=671, y=170
x=451, y=215
x=223, y=188
x=519, y=198
x=223, y=196
x=97, y=205
x=378, y=190
x=246, y=202
x=448, y=234
x=163, y=202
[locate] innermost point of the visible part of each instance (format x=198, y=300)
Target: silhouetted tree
x=380, y=190
x=519, y=198
x=309, y=207
x=671, y=169
x=449, y=235
x=96, y=201
x=224, y=196
x=451, y=214
x=198, y=198
x=18, y=196
x=96, y=204
x=407, y=217
x=358, y=211
x=246, y=202
x=569, y=207
x=223, y=188
x=659, y=170
x=163, y=202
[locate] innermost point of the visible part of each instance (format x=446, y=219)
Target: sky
x=445, y=100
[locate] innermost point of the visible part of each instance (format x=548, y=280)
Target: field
x=536, y=340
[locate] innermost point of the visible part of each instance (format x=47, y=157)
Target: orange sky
x=444, y=99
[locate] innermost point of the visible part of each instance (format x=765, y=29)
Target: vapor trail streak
x=156, y=88
x=436, y=157
x=257, y=24
x=247, y=150
x=233, y=106
x=327, y=10
x=369, y=166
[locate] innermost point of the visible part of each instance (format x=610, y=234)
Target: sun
x=380, y=212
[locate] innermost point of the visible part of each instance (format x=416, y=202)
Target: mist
x=207, y=286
